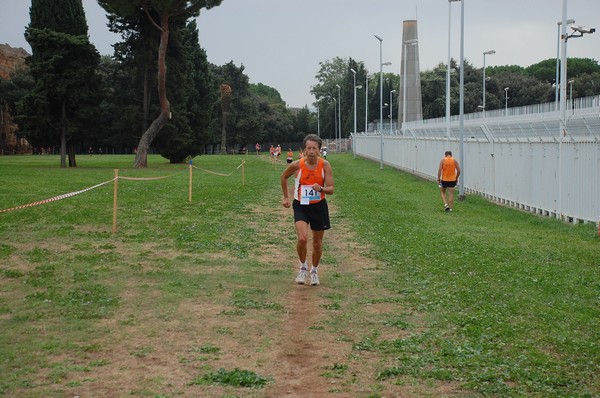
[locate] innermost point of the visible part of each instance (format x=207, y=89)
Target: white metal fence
x=523, y=159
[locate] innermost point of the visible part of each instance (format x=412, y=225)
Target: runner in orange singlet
x=448, y=173
x=314, y=179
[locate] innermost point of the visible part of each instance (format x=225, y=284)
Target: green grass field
x=194, y=299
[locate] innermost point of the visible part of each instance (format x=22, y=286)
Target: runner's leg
x=317, y=245
x=302, y=242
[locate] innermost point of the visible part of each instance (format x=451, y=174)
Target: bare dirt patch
x=304, y=344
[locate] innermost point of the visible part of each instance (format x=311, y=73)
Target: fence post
x=115, y=194
x=243, y=175
x=190, y=183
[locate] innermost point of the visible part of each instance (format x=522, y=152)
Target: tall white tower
x=410, y=75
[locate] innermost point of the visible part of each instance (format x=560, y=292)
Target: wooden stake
x=190, y=189
x=115, y=194
x=243, y=175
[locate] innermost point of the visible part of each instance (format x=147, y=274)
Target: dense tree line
x=72, y=98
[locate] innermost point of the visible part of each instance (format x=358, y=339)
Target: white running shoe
x=301, y=277
x=314, y=279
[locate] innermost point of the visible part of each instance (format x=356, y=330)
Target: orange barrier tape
x=54, y=199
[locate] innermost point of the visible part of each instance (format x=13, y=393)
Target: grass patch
x=486, y=301
x=234, y=378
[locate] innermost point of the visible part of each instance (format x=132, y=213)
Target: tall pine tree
x=62, y=105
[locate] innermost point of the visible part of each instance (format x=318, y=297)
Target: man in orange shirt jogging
x=447, y=177
x=313, y=179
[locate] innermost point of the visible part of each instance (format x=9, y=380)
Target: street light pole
x=366, y=102
x=380, y=101
x=563, y=92
x=571, y=95
x=577, y=32
x=335, y=118
x=448, y=71
x=461, y=189
x=484, y=54
x=354, y=103
x=318, y=121
x=339, y=148
x=392, y=112
x=406, y=44
x=505, y=101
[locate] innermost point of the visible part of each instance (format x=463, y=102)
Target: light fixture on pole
x=392, y=112
x=578, y=31
x=505, y=101
x=448, y=71
x=380, y=100
x=556, y=85
x=339, y=148
x=406, y=44
x=491, y=52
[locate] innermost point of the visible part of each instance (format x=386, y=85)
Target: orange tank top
x=448, y=169
x=305, y=178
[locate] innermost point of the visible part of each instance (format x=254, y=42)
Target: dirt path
x=305, y=349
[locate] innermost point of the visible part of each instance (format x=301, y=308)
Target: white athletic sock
x=304, y=266
x=314, y=269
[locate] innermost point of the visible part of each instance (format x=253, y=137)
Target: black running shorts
x=316, y=215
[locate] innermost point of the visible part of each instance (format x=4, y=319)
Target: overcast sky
x=281, y=42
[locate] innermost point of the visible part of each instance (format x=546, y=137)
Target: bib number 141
x=308, y=193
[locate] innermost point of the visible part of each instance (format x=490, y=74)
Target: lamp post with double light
x=578, y=31
x=491, y=52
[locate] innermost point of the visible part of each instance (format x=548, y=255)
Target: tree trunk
x=147, y=94
x=141, y=158
x=72, y=160
x=63, y=136
x=224, y=134
x=225, y=108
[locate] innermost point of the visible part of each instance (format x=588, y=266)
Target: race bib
x=308, y=193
